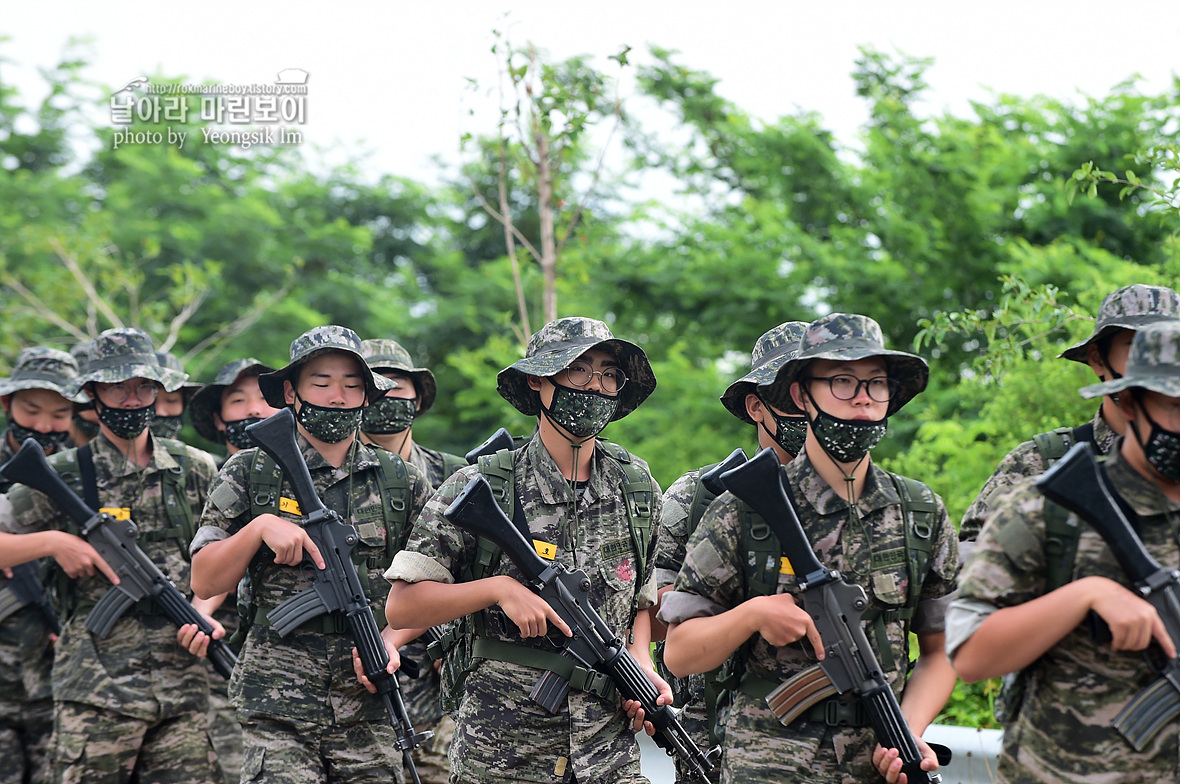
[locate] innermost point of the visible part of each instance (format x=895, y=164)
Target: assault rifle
x=337, y=587
x=1077, y=483
x=594, y=645
x=117, y=542
x=25, y=589
x=849, y=663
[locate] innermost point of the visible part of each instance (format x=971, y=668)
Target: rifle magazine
x=1145, y=715
x=550, y=691
x=109, y=609
x=296, y=611
x=792, y=699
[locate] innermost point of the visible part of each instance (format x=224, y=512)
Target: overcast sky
x=390, y=77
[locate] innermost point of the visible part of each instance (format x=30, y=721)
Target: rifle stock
x=117, y=542
x=711, y=479
x=836, y=606
x=1079, y=484
x=501, y=439
x=594, y=644
x=337, y=587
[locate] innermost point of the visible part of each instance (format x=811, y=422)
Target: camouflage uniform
x=1062, y=732
x=865, y=542
x=757, y=746
x=1131, y=307
x=501, y=734
x=26, y=650
x=135, y=700
x=1022, y=463
x=303, y=713
x=421, y=694
x=772, y=349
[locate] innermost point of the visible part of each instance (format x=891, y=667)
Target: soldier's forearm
x=16, y=549
x=930, y=684
x=428, y=603
x=219, y=566
x=702, y=644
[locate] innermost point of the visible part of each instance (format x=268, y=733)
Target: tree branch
x=42, y=309
x=72, y=265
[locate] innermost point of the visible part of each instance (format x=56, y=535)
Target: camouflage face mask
x=166, y=426
x=389, y=415
x=580, y=412
x=1162, y=449
x=235, y=432
x=847, y=440
x=86, y=427
x=126, y=422
x=789, y=433
x=330, y=425
x=50, y=442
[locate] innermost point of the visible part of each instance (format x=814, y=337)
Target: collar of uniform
x=1144, y=497
x=365, y=457
x=1103, y=436
x=546, y=476
x=810, y=488
x=114, y=463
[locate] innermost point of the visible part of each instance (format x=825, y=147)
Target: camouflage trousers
x=290, y=752
x=431, y=758
x=24, y=743
x=224, y=730
x=97, y=746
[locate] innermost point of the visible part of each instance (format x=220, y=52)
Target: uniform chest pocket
x=889, y=580
x=619, y=573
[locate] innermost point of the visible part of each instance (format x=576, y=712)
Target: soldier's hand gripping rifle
x=593, y=644
x=849, y=663
x=1077, y=483
x=117, y=542
x=337, y=586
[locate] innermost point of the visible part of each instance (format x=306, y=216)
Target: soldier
x=304, y=715
x=85, y=425
x=221, y=411
x=1122, y=313
x=171, y=403
x=39, y=400
x=132, y=704
x=686, y=500
x=1005, y=617
x=887, y=533
x=586, y=504
x=388, y=423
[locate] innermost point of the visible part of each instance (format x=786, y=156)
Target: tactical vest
x=76, y=468
x=764, y=555
x=464, y=639
x=1061, y=550
x=451, y=463
x=265, y=491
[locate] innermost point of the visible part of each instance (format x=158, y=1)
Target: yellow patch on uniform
x=784, y=566
x=559, y=768
x=117, y=512
x=548, y=552
x=290, y=506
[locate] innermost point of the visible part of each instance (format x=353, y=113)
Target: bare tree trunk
x=510, y=242
x=545, y=207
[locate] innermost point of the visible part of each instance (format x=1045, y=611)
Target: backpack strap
x=451, y=463
x=394, y=482
x=176, y=506
x=639, y=492
x=701, y=498
x=1061, y=536
x=84, y=463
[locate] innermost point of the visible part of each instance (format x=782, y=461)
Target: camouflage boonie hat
x=1131, y=307
x=119, y=354
x=775, y=347
x=389, y=355
x=208, y=398
x=847, y=336
x=41, y=367
x=1153, y=363
x=170, y=361
x=557, y=344
x=310, y=344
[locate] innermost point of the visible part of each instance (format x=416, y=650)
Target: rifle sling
x=844, y=711
x=89, y=477
x=579, y=677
